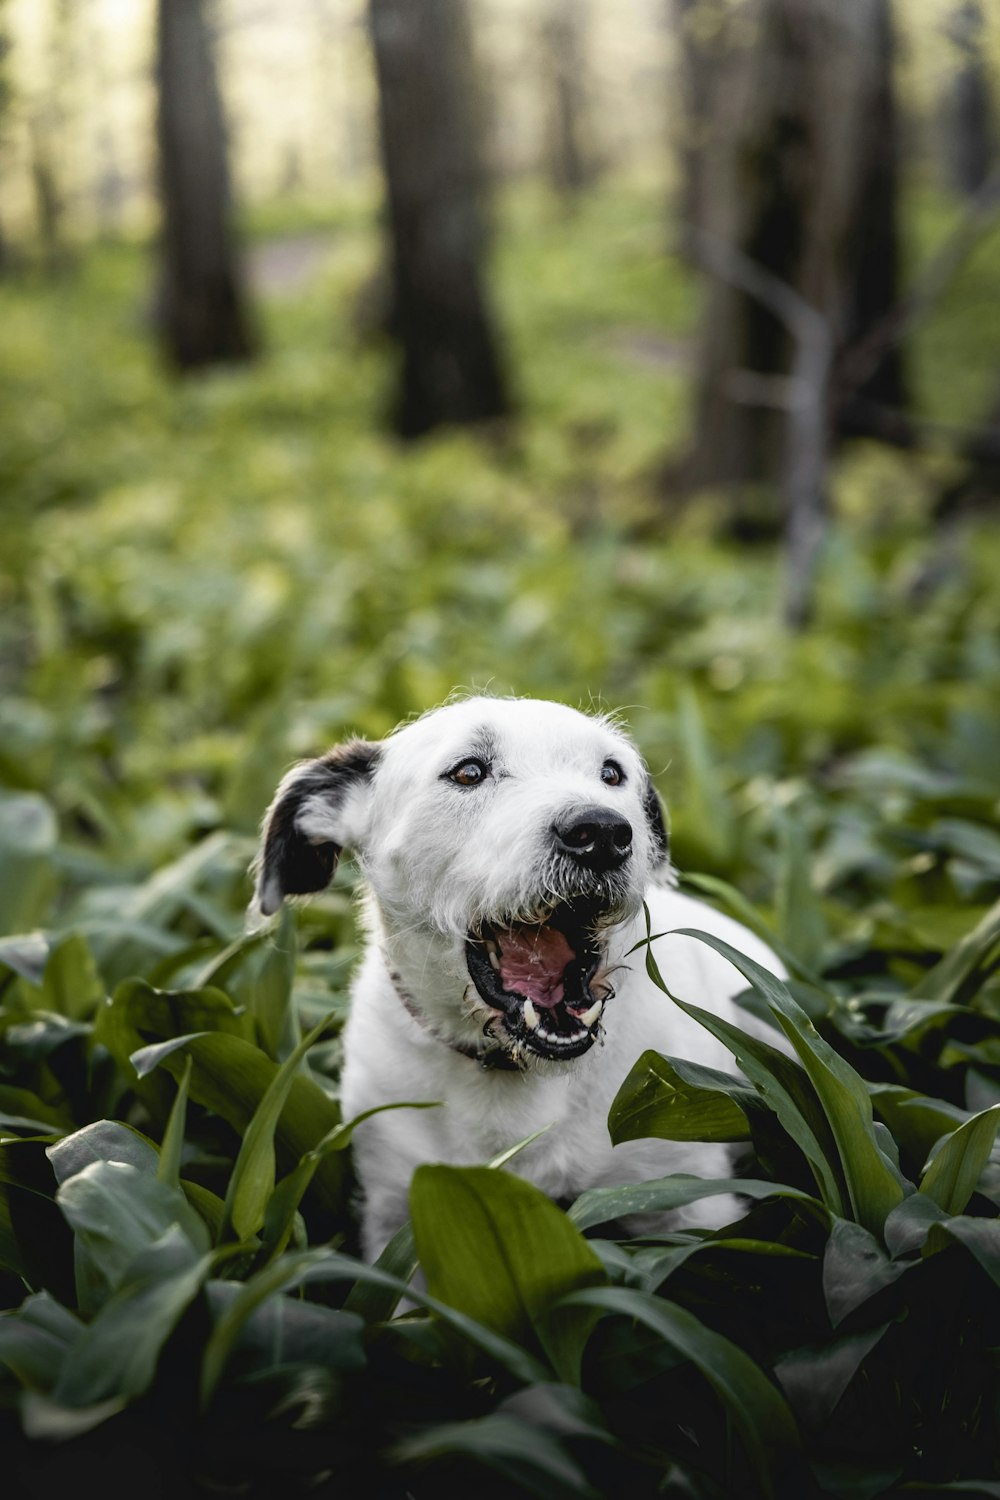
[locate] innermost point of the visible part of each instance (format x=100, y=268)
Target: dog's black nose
x=595, y=837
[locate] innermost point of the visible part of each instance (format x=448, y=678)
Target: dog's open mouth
x=543, y=978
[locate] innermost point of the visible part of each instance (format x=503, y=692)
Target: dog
x=510, y=850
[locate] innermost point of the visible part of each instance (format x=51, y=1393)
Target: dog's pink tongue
x=533, y=962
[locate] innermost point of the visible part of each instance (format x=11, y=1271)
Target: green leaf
x=26, y=954
x=289, y=1192
x=529, y=1458
x=104, y=1140
x=981, y=1237
x=873, y=1187
x=28, y=833
x=962, y=972
x=230, y=1076
x=855, y=1268
x=283, y=1331
x=171, y=1150
x=783, y=1086
x=71, y=985
x=660, y=1194
x=251, y=1182
x=35, y=1340
x=116, y=1355
x=814, y=1379
x=376, y=1302
x=800, y=918
x=951, y=1178
x=495, y=1247
x=277, y=1022
x=317, y=1266
x=116, y=1211
x=756, y=1408
x=733, y=902
x=137, y=1016
x=674, y=1100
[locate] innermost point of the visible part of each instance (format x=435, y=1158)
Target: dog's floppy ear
x=653, y=808
x=319, y=808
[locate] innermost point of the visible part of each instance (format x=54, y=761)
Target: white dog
x=508, y=846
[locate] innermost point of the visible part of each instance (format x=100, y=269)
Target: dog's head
x=503, y=842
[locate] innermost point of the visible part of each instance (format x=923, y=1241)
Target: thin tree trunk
x=451, y=368
x=568, y=160
x=800, y=179
x=970, y=121
x=202, y=312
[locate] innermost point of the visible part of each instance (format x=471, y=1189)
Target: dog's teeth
x=494, y=956
x=590, y=1016
x=530, y=1015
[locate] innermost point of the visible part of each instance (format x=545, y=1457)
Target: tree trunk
x=696, y=24
x=202, y=311
x=568, y=159
x=451, y=370
x=969, y=123
x=800, y=179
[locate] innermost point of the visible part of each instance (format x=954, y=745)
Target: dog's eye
x=612, y=773
x=469, y=773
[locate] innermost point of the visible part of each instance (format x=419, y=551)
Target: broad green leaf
x=22, y=1110
x=673, y=1100
x=872, y=1185
x=116, y=1211
x=907, y=1227
x=981, y=1237
x=916, y=1121
x=137, y=1016
x=660, y=1194
x=783, y=1086
x=251, y=1182
x=71, y=985
x=495, y=1247
x=756, y=1408
x=277, y=1023
x=814, y=1379
x=283, y=1331
x=800, y=918
x=961, y=973
x=289, y=1192
x=116, y=1355
x=35, y=1340
x=28, y=834
x=317, y=1266
x=26, y=954
x=855, y=1268
x=231, y=1077
x=104, y=1140
x=530, y=1458
x=951, y=1178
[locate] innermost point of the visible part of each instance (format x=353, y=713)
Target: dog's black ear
x=317, y=810
x=653, y=808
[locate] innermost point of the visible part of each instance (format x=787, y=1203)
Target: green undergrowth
x=200, y=583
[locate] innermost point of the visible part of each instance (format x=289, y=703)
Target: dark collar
x=490, y=1059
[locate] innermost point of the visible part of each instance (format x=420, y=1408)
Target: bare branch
x=804, y=395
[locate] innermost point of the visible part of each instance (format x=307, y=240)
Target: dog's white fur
x=438, y=858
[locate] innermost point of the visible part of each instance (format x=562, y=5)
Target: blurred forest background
x=642, y=353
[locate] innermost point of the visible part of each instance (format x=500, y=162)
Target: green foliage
x=201, y=583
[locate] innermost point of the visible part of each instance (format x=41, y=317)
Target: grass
x=201, y=582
